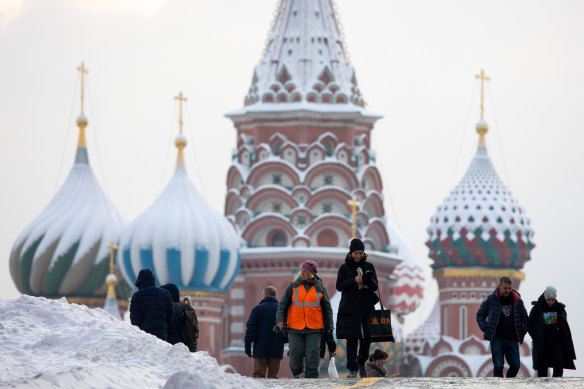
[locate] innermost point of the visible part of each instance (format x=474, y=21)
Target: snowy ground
x=52, y=344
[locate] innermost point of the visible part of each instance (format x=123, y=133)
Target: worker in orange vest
x=307, y=309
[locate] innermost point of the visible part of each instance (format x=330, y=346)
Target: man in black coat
x=551, y=335
x=357, y=282
x=268, y=346
x=151, y=307
x=176, y=325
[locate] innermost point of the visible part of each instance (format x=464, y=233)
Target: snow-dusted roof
x=305, y=62
x=480, y=223
x=182, y=239
x=63, y=251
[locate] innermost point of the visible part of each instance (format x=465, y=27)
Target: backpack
x=190, y=328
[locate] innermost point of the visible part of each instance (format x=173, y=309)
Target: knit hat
x=550, y=292
x=356, y=245
x=378, y=354
x=311, y=266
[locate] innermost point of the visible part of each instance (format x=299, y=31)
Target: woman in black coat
x=357, y=282
x=552, y=339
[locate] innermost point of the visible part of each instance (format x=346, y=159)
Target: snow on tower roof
x=305, y=64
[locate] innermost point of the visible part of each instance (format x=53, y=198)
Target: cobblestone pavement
x=426, y=383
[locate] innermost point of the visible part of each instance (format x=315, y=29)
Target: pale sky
x=415, y=60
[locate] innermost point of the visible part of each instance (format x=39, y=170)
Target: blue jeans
x=508, y=349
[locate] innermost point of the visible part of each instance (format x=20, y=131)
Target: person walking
x=357, y=282
x=550, y=332
x=268, y=346
x=306, y=307
x=190, y=331
x=176, y=324
x=503, y=319
x=151, y=307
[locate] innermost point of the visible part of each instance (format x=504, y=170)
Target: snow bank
x=53, y=344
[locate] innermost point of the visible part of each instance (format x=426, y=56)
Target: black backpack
x=190, y=328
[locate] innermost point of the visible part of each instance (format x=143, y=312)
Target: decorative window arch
x=277, y=238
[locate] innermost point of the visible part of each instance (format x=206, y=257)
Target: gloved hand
x=248, y=351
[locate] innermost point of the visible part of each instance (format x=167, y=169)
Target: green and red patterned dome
x=480, y=224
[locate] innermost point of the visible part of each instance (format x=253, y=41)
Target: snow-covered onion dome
x=480, y=224
x=408, y=291
x=182, y=239
x=63, y=251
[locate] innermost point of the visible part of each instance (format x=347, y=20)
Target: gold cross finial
x=354, y=204
x=112, y=248
x=180, y=99
x=83, y=71
x=483, y=79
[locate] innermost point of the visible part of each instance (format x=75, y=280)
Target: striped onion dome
x=480, y=223
x=182, y=239
x=63, y=251
x=408, y=291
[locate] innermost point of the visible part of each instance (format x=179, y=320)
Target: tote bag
x=379, y=325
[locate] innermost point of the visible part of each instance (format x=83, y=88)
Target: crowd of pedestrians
x=303, y=318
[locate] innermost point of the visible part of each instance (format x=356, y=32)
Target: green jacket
x=325, y=303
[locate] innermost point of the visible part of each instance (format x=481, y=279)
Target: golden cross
x=483, y=78
x=180, y=99
x=83, y=71
x=354, y=204
x=112, y=248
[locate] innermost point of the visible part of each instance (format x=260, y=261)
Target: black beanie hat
x=356, y=244
x=378, y=354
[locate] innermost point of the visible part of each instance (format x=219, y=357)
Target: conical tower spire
x=180, y=141
x=82, y=157
x=482, y=126
x=305, y=60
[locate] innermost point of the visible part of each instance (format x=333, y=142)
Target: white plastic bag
x=332, y=369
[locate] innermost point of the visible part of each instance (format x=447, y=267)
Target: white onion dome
x=182, y=239
x=63, y=251
x=480, y=224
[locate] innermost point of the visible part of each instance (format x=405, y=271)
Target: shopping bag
x=332, y=369
x=379, y=325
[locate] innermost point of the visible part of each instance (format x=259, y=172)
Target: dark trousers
x=502, y=349
x=263, y=365
x=304, y=353
x=354, y=360
x=543, y=372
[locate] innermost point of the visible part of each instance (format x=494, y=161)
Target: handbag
x=379, y=324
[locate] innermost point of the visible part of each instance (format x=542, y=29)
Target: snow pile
x=54, y=344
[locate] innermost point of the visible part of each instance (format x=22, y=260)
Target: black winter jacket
x=489, y=313
x=151, y=307
x=356, y=304
x=266, y=342
x=562, y=347
x=176, y=325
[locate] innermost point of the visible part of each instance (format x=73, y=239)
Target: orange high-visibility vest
x=305, y=310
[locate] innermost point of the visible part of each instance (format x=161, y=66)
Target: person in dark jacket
x=176, y=325
x=268, y=346
x=550, y=332
x=357, y=282
x=503, y=319
x=151, y=307
x=190, y=314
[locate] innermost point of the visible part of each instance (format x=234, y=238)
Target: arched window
x=463, y=322
x=277, y=148
x=327, y=238
x=277, y=238
x=328, y=147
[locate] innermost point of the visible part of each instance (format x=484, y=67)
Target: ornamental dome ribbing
x=480, y=224
x=63, y=251
x=182, y=239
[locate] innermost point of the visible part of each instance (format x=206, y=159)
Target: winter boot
x=352, y=374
